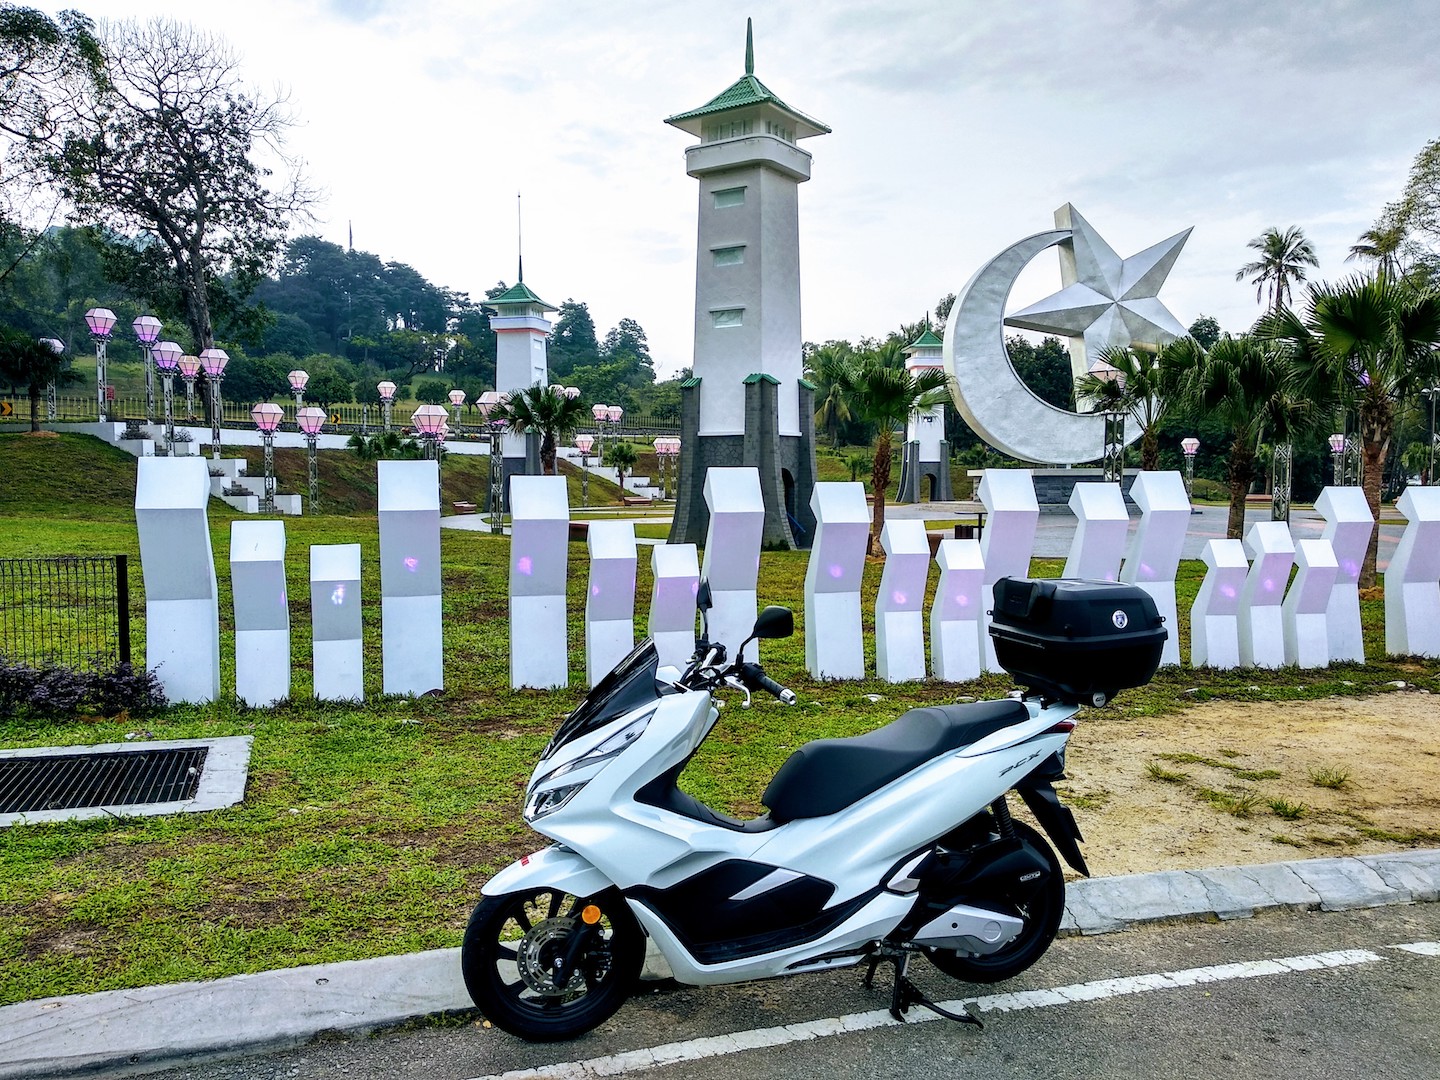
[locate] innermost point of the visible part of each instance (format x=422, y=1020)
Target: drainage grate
x=124, y=778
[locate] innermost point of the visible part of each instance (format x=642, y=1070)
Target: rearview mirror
x=774, y=622
x=702, y=595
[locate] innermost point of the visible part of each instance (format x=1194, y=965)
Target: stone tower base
x=529, y=465
x=913, y=472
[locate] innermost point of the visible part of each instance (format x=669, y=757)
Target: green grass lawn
x=369, y=830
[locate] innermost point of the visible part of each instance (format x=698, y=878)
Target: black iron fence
x=70, y=611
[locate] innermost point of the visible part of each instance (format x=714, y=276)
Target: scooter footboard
x=549, y=868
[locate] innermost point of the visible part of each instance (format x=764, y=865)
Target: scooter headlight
x=546, y=802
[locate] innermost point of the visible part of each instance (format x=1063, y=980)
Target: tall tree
x=26, y=363
x=1365, y=346
x=544, y=412
x=1282, y=262
x=572, y=342
x=1419, y=209
x=1205, y=330
x=166, y=147
x=1382, y=244
x=1143, y=388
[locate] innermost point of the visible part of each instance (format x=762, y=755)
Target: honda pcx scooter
x=874, y=848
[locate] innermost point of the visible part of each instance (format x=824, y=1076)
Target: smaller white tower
x=521, y=332
x=927, y=452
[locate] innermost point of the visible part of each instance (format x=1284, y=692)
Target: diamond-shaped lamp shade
x=599, y=411
x=267, y=415
x=556, y=388
x=386, y=389
x=189, y=366
x=55, y=345
x=572, y=392
x=311, y=420
x=214, y=361
x=147, y=328
x=457, y=398
x=614, y=412
x=1191, y=446
x=298, y=379
x=167, y=355
x=583, y=443
x=1106, y=372
x=429, y=419
x=487, y=401
x=1337, y=443
x=101, y=321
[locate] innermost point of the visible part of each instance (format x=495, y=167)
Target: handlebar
x=752, y=674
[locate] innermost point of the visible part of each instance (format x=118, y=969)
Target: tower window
x=729, y=256
x=734, y=196
x=726, y=317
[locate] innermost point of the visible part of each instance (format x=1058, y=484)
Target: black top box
x=1076, y=641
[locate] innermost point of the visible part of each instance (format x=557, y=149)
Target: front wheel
x=1041, y=912
x=546, y=965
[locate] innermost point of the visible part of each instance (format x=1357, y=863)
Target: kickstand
x=904, y=993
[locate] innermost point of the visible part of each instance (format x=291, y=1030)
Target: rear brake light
x=1063, y=727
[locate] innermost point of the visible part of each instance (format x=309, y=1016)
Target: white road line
x=1421, y=948
x=719, y=1045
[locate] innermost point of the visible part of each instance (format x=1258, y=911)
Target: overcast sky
x=959, y=127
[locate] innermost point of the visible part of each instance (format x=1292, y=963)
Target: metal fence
x=69, y=611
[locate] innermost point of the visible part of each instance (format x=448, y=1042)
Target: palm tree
x=1282, y=262
x=1142, y=388
x=621, y=457
x=823, y=367
x=25, y=362
x=1241, y=383
x=544, y=412
x=1367, y=346
x=1381, y=244
x=886, y=396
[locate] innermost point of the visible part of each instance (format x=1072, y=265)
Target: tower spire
x=749, y=48
x=519, y=242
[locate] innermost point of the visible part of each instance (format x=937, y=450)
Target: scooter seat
x=827, y=775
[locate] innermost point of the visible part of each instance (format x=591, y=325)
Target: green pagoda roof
x=519, y=293
x=926, y=340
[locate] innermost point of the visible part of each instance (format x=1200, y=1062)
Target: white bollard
x=539, y=549
x=732, y=553
x=1100, y=527
x=182, y=607
x=1008, y=539
x=1262, y=631
x=262, y=611
x=337, y=650
x=1348, y=523
x=1412, y=583
x=956, y=614
x=900, y=603
x=1215, y=615
x=1307, y=641
x=676, y=569
x=412, y=650
x=610, y=598
x=1154, y=554
x=834, y=643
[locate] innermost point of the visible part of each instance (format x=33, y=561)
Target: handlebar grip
x=769, y=685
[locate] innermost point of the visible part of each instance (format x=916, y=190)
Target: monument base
x=1054, y=486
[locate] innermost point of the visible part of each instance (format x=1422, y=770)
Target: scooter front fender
x=549, y=868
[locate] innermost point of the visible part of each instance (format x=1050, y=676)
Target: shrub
x=55, y=692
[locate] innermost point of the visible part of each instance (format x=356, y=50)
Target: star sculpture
x=1106, y=300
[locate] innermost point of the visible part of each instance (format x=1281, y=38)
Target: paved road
x=1352, y=1006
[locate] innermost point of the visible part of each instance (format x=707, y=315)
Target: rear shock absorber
x=1001, y=809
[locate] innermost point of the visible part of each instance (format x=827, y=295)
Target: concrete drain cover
x=67, y=783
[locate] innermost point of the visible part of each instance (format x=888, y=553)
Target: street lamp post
x=311, y=421
x=167, y=357
x=1431, y=392
x=583, y=443
x=147, y=331
x=213, y=362
x=56, y=346
x=267, y=416
x=1337, y=452
x=457, y=399
x=298, y=379
x=100, y=321
x=387, y=399
x=1113, y=462
x=429, y=420
x=1191, y=447
x=189, y=371
x=1281, y=460
x=601, y=414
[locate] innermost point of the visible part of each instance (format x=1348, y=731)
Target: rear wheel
x=528, y=974
x=1041, y=912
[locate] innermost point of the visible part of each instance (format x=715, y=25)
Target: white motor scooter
x=874, y=848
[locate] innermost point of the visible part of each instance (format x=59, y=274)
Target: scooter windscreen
x=630, y=684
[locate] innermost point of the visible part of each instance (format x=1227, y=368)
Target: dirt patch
x=1229, y=783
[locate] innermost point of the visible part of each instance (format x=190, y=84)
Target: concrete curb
x=276, y=1009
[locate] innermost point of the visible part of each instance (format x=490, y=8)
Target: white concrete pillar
x=335, y=629
x=676, y=569
x=834, y=643
x=1215, y=615
x=182, y=607
x=956, y=615
x=900, y=603
x=412, y=651
x=1154, y=554
x=1412, y=583
x=610, y=599
x=1262, y=630
x=262, y=611
x=1012, y=513
x=732, y=553
x=1348, y=522
x=539, y=550
x=1101, y=523
x=1307, y=641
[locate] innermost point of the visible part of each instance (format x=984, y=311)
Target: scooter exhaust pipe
x=969, y=929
